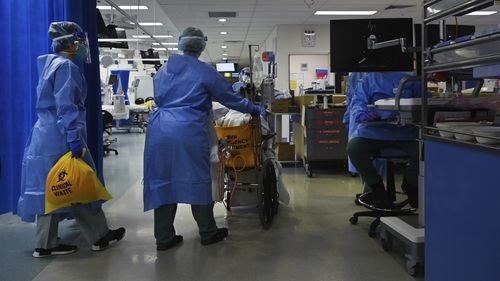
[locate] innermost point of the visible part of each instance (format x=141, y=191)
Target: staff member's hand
x=76, y=148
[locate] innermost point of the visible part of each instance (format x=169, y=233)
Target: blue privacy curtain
x=23, y=26
x=124, y=77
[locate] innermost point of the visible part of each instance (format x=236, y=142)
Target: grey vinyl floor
x=310, y=239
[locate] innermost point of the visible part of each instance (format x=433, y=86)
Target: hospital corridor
x=249, y=140
x=310, y=239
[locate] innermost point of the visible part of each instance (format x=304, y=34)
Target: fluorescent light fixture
x=160, y=49
x=223, y=33
x=223, y=47
x=107, y=7
x=344, y=13
x=173, y=49
x=170, y=44
x=482, y=13
x=222, y=20
x=156, y=44
x=151, y=23
x=118, y=40
x=224, y=54
x=163, y=36
x=141, y=36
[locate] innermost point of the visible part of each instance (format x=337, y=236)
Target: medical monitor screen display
x=225, y=67
x=350, y=53
x=150, y=54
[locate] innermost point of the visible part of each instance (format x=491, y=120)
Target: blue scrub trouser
x=91, y=221
x=164, y=222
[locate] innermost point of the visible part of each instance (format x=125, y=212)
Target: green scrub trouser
x=91, y=221
x=164, y=222
x=362, y=150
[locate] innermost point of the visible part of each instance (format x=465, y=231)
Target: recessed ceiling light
x=107, y=7
x=224, y=54
x=482, y=13
x=223, y=33
x=344, y=13
x=163, y=36
x=151, y=23
x=223, y=47
x=141, y=36
x=222, y=20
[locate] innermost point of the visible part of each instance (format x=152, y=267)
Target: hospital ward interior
x=250, y=140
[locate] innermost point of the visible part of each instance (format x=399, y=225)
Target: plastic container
x=487, y=131
x=451, y=126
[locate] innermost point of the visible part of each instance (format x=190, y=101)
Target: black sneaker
x=59, y=250
x=220, y=235
x=111, y=237
x=162, y=247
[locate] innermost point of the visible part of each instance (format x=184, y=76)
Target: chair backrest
x=107, y=118
x=139, y=101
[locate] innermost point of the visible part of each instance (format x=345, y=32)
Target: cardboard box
x=279, y=106
x=285, y=151
x=304, y=100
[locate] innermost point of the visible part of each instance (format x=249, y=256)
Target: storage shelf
x=464, y=55
x=485, y=147
x=453, y=7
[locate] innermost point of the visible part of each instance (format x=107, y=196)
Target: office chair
x=107, y=121
x=390, y=155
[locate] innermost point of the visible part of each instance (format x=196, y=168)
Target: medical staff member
x=353, y=80
x=176, y=154
x=368, y=139
x=243, y=80
x=61, y=127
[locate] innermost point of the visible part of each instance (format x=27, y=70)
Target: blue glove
x=368, y=116
x=259, y=110
x=76, y=148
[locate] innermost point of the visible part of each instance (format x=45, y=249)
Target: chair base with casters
x=399, y=209
x=107, y=120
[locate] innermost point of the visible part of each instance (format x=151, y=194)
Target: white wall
x=289, y=41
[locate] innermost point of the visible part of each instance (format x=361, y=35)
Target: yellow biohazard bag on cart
x=72, y=182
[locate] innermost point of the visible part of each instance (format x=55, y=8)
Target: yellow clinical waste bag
x=72, y=182
x=241, y=143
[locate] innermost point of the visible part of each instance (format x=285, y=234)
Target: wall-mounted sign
x=309, y=38
x=303, y=66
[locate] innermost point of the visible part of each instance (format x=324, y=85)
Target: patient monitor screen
x=350, y=53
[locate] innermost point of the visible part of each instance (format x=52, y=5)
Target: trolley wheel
x=353, y=220
x=411, y=266
x=116, y=152
x=353, y=174
x=267, y=194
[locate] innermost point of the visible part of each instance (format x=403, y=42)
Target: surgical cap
x=58, y=29
x=192, y=39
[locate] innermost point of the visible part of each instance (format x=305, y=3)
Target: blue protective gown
x=375, y=86
x=60, y=106
x=176, y=154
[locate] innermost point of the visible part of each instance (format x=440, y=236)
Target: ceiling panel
x=255, y=19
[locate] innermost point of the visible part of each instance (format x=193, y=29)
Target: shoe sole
x=37, y=255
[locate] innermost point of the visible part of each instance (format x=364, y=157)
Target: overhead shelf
x=435, y=10
x=473, y=53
